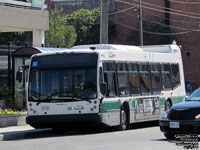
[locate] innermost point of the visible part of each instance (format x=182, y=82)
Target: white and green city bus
x=114, y=85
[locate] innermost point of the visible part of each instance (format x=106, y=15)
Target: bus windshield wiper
x=47, y=98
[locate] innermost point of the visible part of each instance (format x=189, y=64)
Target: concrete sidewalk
x=20, y=132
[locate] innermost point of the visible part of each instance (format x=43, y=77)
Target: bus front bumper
x=45, y=121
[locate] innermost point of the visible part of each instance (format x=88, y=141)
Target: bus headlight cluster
x=31, y=109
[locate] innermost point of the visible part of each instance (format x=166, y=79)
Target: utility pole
x=140, y=23
x=104, y=22
x=167, y=16
x=9, y=66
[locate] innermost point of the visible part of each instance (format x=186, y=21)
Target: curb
x=18, y=119
x=16, y=135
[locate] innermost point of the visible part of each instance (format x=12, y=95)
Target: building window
x=188, y=54
x=70, y=6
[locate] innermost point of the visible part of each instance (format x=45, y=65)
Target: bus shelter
x=21, y=59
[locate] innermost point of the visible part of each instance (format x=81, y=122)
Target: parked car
x=182, y=118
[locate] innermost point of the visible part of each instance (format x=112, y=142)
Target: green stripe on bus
x=113, y=105
x=109, y=106
x=175, y=100
x=179, y=99
x=162, y=101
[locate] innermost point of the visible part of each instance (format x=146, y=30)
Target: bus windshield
x=54, y=82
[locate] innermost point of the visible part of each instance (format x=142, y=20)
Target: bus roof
x=151, y=48
x=49, y=49
x=107, y=47
x=170, y=49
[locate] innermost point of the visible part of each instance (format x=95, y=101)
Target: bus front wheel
x=124, y=124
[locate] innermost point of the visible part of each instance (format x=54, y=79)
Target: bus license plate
x=174, y=125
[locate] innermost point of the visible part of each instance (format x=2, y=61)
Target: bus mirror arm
x=25, y=67
x=101, y=99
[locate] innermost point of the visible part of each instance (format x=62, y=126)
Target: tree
x=87, y=25
x=59, y=33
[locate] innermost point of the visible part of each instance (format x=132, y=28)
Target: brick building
x=180, y=16
x=183, y=19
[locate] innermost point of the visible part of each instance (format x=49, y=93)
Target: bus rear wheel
x=124, y=124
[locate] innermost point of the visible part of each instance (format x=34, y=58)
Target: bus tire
x=167, y=105
x=124, y=124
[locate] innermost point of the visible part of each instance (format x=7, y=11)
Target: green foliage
x=8, y=111
x=87, y=25
x=59, y=33
x=8, y=98
x=19, y=38
x=152, y=39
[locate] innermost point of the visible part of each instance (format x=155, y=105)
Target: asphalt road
x=146, y=136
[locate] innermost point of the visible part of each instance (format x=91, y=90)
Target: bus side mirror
x=103, y=88
x=19, y=76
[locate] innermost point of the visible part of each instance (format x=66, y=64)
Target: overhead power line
x=148, y=32
x=175, y=27
x=120, y=11
x=188, y=22
x=158, y=23
x=164, y=25
x=171, y=9
x=189, y=3
x=178, y=14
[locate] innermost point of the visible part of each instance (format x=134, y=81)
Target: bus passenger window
x=109, y=69
x=110, y=80
x=134, y=83
x=175, y=75
x=134, y=79
x=166, y=76
x=144, y=78
x=123, y=82
x=155, y=78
